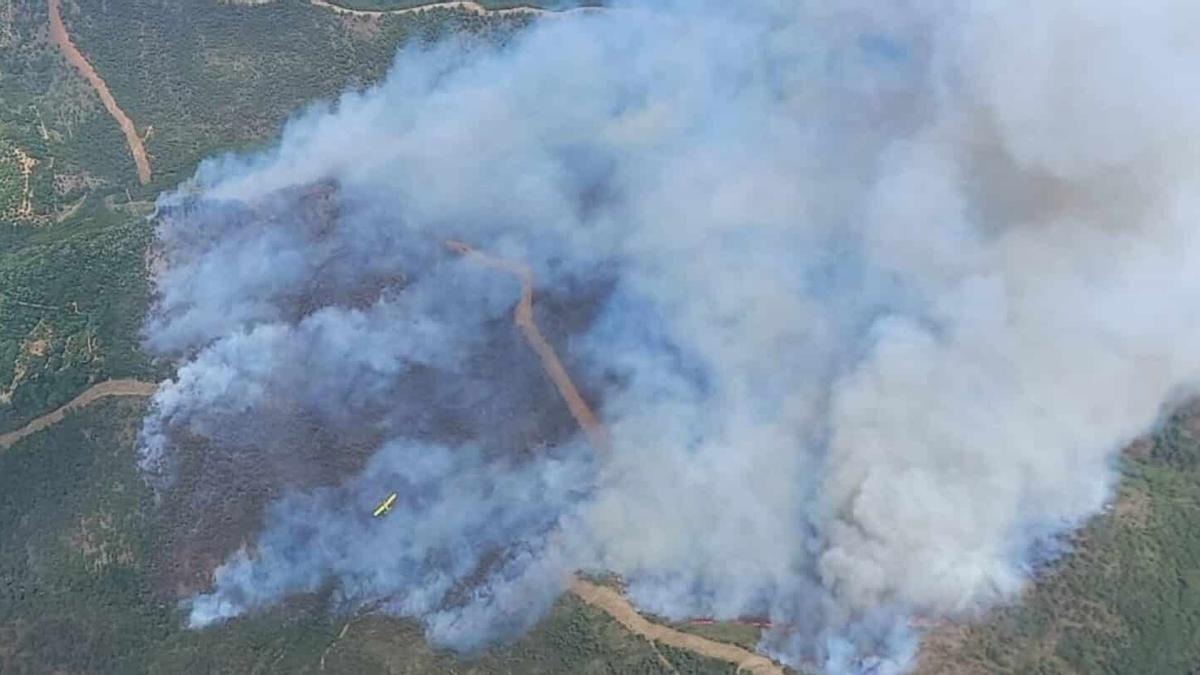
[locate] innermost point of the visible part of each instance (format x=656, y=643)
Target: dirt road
x=523, y=318
x=615, y=605
x=467, y=5
x=58, y=33
x=94, y=393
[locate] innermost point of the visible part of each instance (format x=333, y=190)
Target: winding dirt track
x=606, y=599
x=615, y=605
x=523, y=317
x=94, y=393
x=58, y=33
x=466, y=5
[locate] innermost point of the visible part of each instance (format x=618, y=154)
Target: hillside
x=96, y=583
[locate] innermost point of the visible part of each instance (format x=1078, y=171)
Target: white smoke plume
x=878, y=292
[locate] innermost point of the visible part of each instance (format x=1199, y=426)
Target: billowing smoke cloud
x=873, y=297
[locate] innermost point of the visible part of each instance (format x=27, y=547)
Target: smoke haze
x=868, y=298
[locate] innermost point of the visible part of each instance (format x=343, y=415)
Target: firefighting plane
x=385, y=506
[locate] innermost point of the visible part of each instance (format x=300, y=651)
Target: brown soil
x=58, y=33
x=94, y=393
x=473, y=7
x=467, y=6
x=615, y=605
x=26, y=164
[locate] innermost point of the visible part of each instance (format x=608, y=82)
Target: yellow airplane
x=385, y=505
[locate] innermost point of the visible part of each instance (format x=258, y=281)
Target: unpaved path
x=615, y=605
x=96, y=392
x=27, y=164
x=465, y=5
x=523, y=317
x=58, y=33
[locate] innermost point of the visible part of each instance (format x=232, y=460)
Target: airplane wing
x=385, y=505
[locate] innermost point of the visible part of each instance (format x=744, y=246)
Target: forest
x=1125, y=598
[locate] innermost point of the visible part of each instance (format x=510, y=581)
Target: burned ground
x=223, y=478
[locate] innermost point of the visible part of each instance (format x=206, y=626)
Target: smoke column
x=877, y=294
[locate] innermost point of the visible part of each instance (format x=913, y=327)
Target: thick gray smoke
x=458, y=512
x=877, y=292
